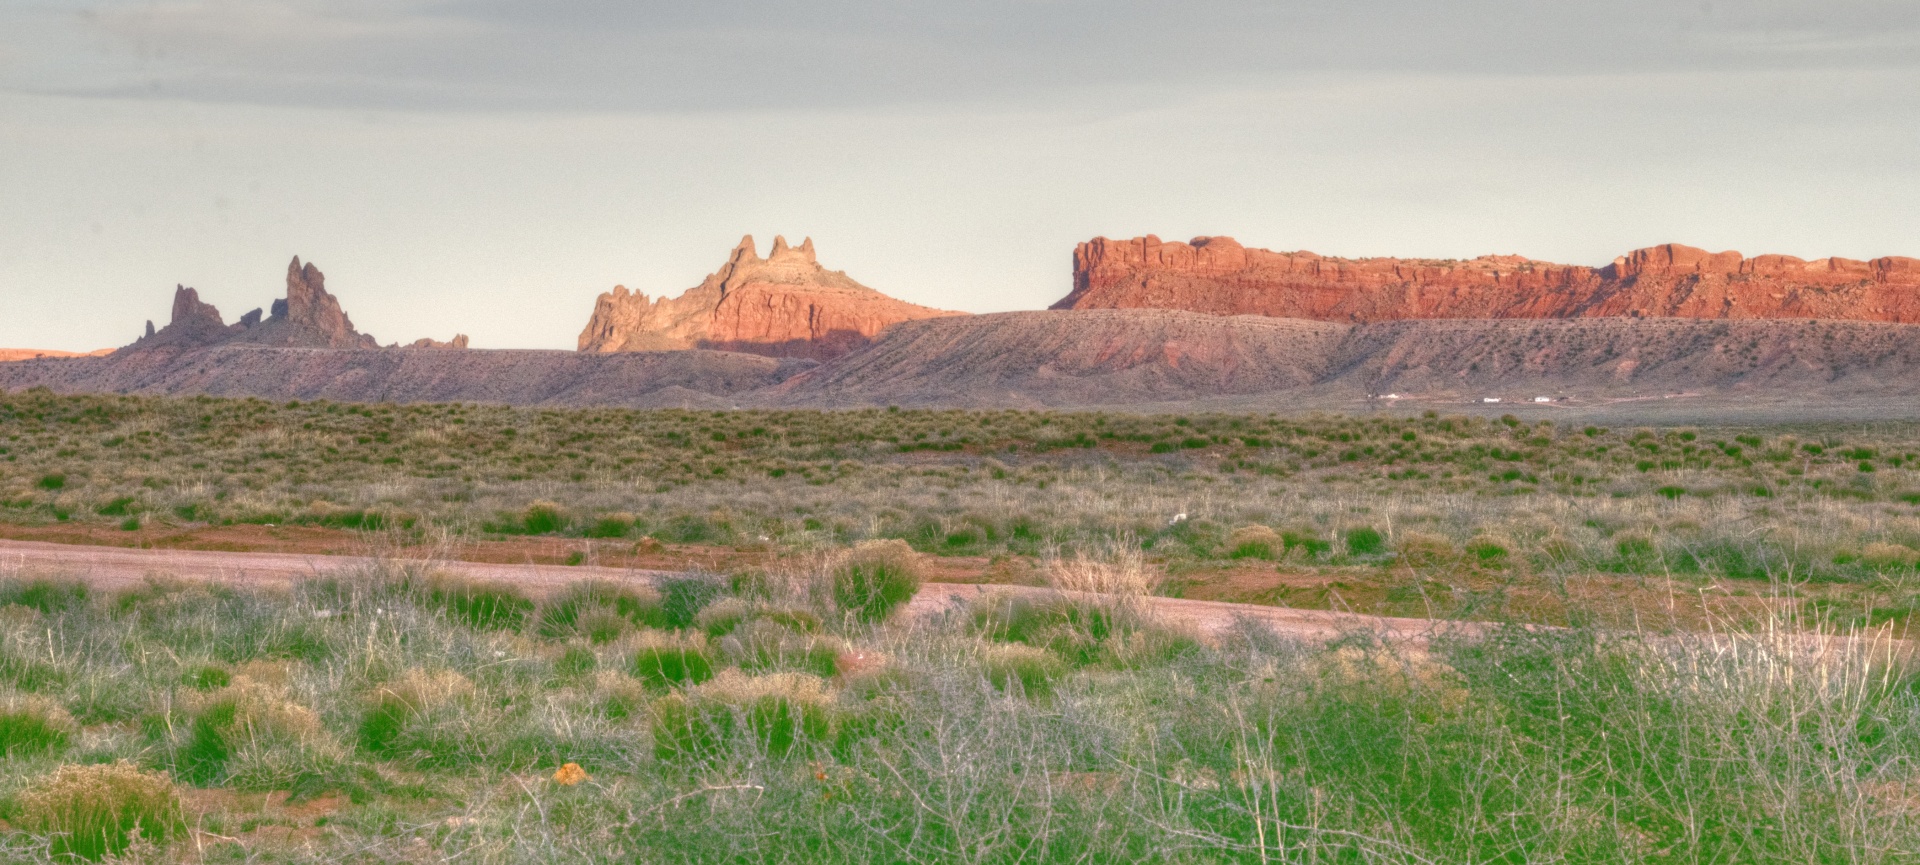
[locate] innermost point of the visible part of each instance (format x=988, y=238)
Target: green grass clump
x=591, y=609
x=48, y=596
x=666, y=661
x=32, y=725
x=771, y=714
x=876, y=578
x=485, y=606
x=1021, y=669
x=398, y=708
x=1366, y=541
x=1254, y=542
x=683, y=596
x=92, y=812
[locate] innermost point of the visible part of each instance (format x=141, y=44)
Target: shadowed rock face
x=784, y=305
x=1219, y=276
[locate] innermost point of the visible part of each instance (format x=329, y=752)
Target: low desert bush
x=876, y=578
x=92, y=812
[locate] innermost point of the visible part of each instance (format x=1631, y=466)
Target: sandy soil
x=112, y=568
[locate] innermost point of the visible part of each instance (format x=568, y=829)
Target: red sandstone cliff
x=1219, y=276
x=784, y=305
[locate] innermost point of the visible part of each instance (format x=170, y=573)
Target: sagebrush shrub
x=91, y=812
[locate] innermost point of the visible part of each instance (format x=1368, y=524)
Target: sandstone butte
x=1219, y=276
x=784, y=305
x=308, y=317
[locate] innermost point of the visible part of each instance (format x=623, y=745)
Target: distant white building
x=1543, y=399
x=1489, y=399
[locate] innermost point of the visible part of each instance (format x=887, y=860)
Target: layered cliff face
x=1219, y=276
x=784, y=305
x=308, y=317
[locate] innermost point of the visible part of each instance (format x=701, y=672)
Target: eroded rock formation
x=1219, y=276
x=784, y=305
x=459, y=341
x=308, y=317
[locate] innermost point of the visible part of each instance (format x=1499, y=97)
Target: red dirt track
x=114, y=568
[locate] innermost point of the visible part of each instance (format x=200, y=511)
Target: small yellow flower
x=570, y=775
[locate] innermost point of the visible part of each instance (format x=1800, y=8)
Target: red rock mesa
x=784, y=305
x=1219, y=276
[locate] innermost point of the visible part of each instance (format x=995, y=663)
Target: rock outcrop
x=1219, y=276
x=784, y=305
x=459, y=341
x=307, y=317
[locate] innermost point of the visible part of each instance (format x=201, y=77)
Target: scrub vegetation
x=791, y=709
x=380, y=715
x=1828, y=502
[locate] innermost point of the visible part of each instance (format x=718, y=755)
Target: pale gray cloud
x=650, y=55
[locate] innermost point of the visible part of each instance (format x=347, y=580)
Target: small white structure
x=1543, y=399
x=1489, y=399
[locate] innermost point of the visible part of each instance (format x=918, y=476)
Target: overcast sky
x=488, y=167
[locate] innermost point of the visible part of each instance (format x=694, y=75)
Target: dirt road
x=113, y=568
